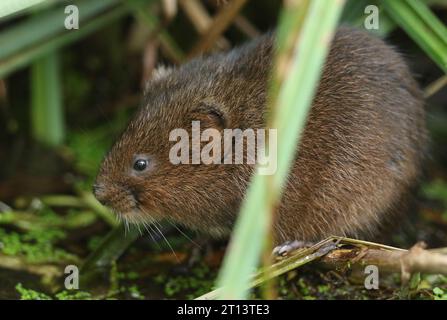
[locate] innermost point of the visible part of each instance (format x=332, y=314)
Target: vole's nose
x=100, y=194
x=97, y=188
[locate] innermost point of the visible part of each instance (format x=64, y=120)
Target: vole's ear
x=210, y=115
x=161, y=72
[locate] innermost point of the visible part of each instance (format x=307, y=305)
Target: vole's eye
x=140, y=165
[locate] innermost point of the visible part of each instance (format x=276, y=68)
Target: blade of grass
x=289, y=116
x=435, y=86
x=104, y=213
x=422, y=26
x=40, y=7
x=354, y=15
x=8, y=7
x=25, y=57
x=47, y=121
x=353, y=10
x=45, y=25
x=425, y=13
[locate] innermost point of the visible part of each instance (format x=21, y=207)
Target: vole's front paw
x=289, y=246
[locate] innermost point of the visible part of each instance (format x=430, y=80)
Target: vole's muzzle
x=100, y=194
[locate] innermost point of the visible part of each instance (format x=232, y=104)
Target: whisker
x=139, y=228
x=147, y=227
x=166, y=240
x=184, y=234
x=126, y=227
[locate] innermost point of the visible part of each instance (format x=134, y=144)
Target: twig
x=246, y=27
x=417, y=259
x=242, y=23
x=435, y=86
x=18, y=264
x=29, y=221
x=201, y=20
x=169, y=8
x=48, y=273
x=220, y=23
x=299, y=258
x=333, y=253
x=62, y=201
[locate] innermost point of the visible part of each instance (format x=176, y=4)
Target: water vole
x=360, y=152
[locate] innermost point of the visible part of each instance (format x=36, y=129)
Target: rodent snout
x=118, y=198
x=100, y=194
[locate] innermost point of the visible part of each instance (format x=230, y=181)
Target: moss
x=94, y=242
x=439, y=294
x=324, y=288
x=36, y=246
x=29, y=294
x=131, y=275
x=135, y=293
x=199, y=282
x=73, y=295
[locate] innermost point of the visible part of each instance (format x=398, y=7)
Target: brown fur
x=360, y=152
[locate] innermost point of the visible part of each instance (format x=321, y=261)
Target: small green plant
x=439, y=294
x=36, y=246
x=199, y=282
x=29, y=294
x=73, y=295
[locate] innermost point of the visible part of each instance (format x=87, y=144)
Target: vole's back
x=362, y=148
